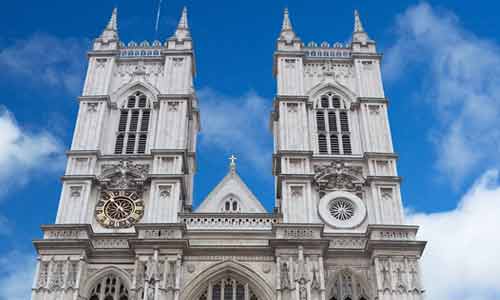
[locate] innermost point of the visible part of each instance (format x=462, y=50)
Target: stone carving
x=302, y=289
x=133, y=69
x=414, y=281
x=173, y=106
x=292, y=107
x=75, y=191
x=92, y=106
x=43, y=275
x=266, y=268
x=124, y=175
x=165, y=191
x=218, y=222
x=315, y=285
x=285, y=277
x=178, y=61
x=57, y=276
x=152, y=270
x=386, y=275
x=191, y=268
x=226, y=258
x=399, y=272
x=338, y=176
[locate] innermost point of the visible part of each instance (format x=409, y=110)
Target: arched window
x=332, y=124
x=228, y=289
x=347, y=286
x=110, y=287
x=231, y=204
x=133, y=125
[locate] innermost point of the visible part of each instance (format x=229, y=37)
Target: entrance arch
x=227, y=278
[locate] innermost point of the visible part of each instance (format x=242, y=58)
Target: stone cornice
x=99, y=53
x=369, y=155
x=365, y=55
x=390, y=179
x=369, y=100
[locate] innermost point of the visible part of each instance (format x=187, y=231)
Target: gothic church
x=126, y=228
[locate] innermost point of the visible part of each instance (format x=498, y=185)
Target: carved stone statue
x=302, y=289
x=152, y=272
x=285, y=277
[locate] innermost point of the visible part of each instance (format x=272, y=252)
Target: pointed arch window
x=110, y=287
x=133, y=125
x=332, y=124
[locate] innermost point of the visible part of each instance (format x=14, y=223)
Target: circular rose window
x=342, y=210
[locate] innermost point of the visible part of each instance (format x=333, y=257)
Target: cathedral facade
x=126, y=228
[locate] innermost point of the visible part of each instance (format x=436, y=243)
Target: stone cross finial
x=232, y=163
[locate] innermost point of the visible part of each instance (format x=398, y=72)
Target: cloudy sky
x=441, y=71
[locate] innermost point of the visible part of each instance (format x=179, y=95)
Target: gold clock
x=119, y=209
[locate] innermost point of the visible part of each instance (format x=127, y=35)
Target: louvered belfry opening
x=332, y=124
x=133, y=125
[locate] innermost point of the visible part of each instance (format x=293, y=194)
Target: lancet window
x=332, y=124
x=228, y=289
x=133, y=125
x=110, y=287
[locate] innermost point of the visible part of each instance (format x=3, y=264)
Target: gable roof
x=231, y=186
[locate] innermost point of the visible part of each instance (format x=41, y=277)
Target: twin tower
x=126, y=228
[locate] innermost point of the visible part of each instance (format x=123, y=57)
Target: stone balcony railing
x=226, y=221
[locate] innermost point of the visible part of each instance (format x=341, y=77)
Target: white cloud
x=237, y=125
x=46, y=59
x=461, y=259
x=16, y=275
x=461, y=74
x=22, y=153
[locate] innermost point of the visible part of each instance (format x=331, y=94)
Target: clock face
x=119, y=209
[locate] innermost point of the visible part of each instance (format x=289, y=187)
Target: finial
x=232, y=162
x=287, y=24
x=358, y=26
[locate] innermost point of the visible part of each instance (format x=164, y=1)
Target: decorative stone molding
x=65, y=234
x=228, y=222
x=298, y=231
x=229, y=258
x=392, y=232
x=348, y=243
x=110, y=243
x=159, y=231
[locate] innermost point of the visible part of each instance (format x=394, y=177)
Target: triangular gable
x=231, y=189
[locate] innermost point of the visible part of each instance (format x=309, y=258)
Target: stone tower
x=125, y=228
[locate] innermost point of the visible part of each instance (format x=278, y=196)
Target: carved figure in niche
x=152, y=272
x=171, y=276
x=302, y=289
x=414, y=276
x=386, y=276
x=315, y=282
x=399, y=279
x=285, y=277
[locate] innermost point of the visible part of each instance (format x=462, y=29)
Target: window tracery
x=228, y=289
x=231, y=204
x=347, y=286
x=332, y=124
x=133, y=125
x=111, y=287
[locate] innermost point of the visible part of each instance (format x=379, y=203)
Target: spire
x=182, y=31
x=359, y=34
x=358, y=26
x=110, y=33
x=287, y=34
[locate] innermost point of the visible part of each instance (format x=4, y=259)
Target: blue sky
x=441, y=65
